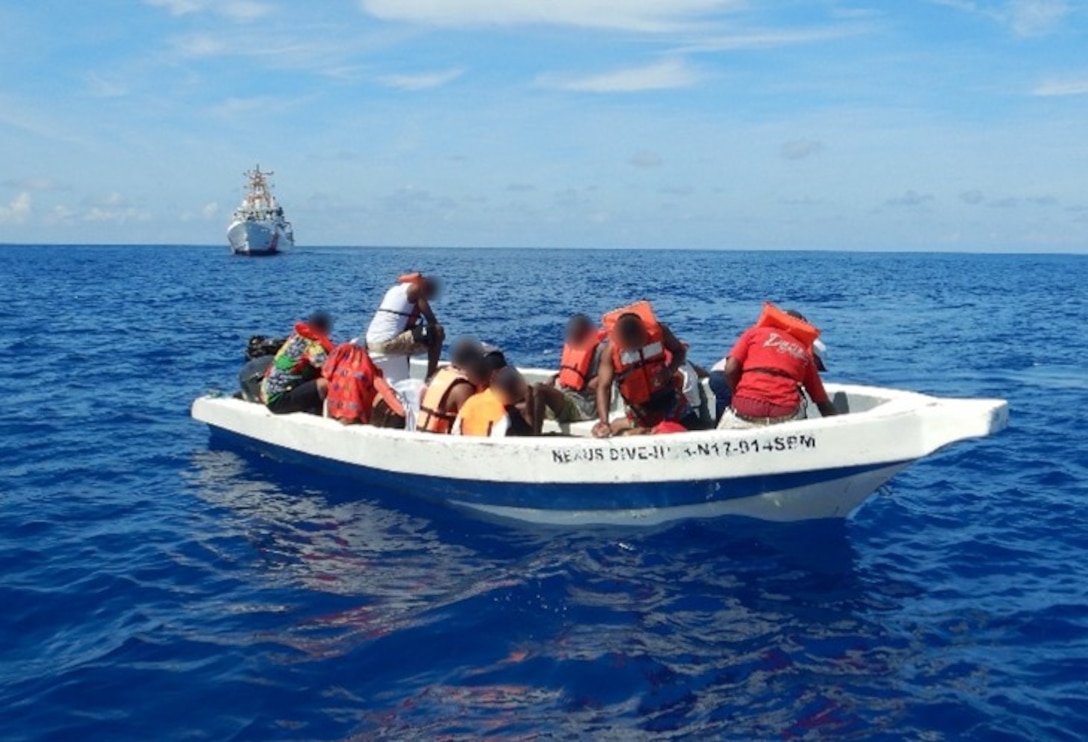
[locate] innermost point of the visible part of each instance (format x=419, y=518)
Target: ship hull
x=258, y=238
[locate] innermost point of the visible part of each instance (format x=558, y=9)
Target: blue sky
x=816, y=124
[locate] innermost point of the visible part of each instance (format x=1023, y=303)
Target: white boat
x=804, y=470
x=259, y=226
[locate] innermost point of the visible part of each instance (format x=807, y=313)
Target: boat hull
x=806, y=470
x=259, y=238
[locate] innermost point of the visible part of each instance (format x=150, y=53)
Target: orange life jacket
x=413, y=278
x=638, y=370
x=800, y=330
x=576, y=360
x=434, y=418
x=482, y=412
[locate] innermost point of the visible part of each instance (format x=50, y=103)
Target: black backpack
x=262, y=345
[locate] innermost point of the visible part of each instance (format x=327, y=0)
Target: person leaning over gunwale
x=767, y=368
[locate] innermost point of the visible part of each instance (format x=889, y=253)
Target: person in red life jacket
x=293, y=382
x=497, y=411
x=642, y=357
x=448, y=390
x=354, y=385
x=767, y=368
x=571, y=395
x=396, y=328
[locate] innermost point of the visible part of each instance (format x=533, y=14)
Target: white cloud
x=243, y=10
x=910, y=198
x=35, y=184
x=123, y=215
x=200, y=45
x=628, y=15
x=799, y=149
x=176, y=7
x=645, y=160
x=101, y=87
x=1022, y=17
x=772, y=39
x=1062, y=87
x=237, y=10
x=1035, y=17
x=421, y=81
x=664, y=75
x=210, y=211
x=17, y=211
x=59, y=214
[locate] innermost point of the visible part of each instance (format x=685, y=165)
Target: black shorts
x=303, y=398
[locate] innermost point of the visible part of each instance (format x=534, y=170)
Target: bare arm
x=732, y=373
x=457, y=398
x=605, y=374
x=423, y=304
x=814, y=385
x=676, y=349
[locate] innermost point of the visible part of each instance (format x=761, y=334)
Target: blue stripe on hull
x=560, y=496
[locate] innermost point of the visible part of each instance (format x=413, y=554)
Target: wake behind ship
x=259, y=226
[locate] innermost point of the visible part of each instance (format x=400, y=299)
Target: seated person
x=643, y=357
x=293, y=382
x=692, y=387
x=571, y=395
x=354, y=385
x=395, y=329
x=467, y=374
x=495, y=412
x=766, y=369
x=722, y=393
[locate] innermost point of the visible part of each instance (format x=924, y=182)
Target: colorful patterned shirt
x=298, y=361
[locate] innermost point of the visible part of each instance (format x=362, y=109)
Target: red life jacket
x=434, y=417
x=638, y=370
x=576, y=360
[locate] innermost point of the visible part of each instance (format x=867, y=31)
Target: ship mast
x=259, y=196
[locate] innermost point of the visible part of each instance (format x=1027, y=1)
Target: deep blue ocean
x=155, y=587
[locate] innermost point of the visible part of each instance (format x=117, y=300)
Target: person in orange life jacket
x=449, y=389
x=355, y=384
x=767, y=368
x=495, y=412
x=293, y=382
x=395, y=329
x=571, y=395
x=642, y=356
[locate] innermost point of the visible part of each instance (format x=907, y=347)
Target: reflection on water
x=497, y=629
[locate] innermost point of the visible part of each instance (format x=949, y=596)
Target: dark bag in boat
x=251, y=376
x=383, y=417
x=262, y=345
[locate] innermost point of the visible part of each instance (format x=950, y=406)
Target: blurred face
x=479, y=374
x=631, y=333
x=519, y=391
x=578, y=331
x=429, y=288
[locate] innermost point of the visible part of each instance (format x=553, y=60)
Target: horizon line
x=1081, y=252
